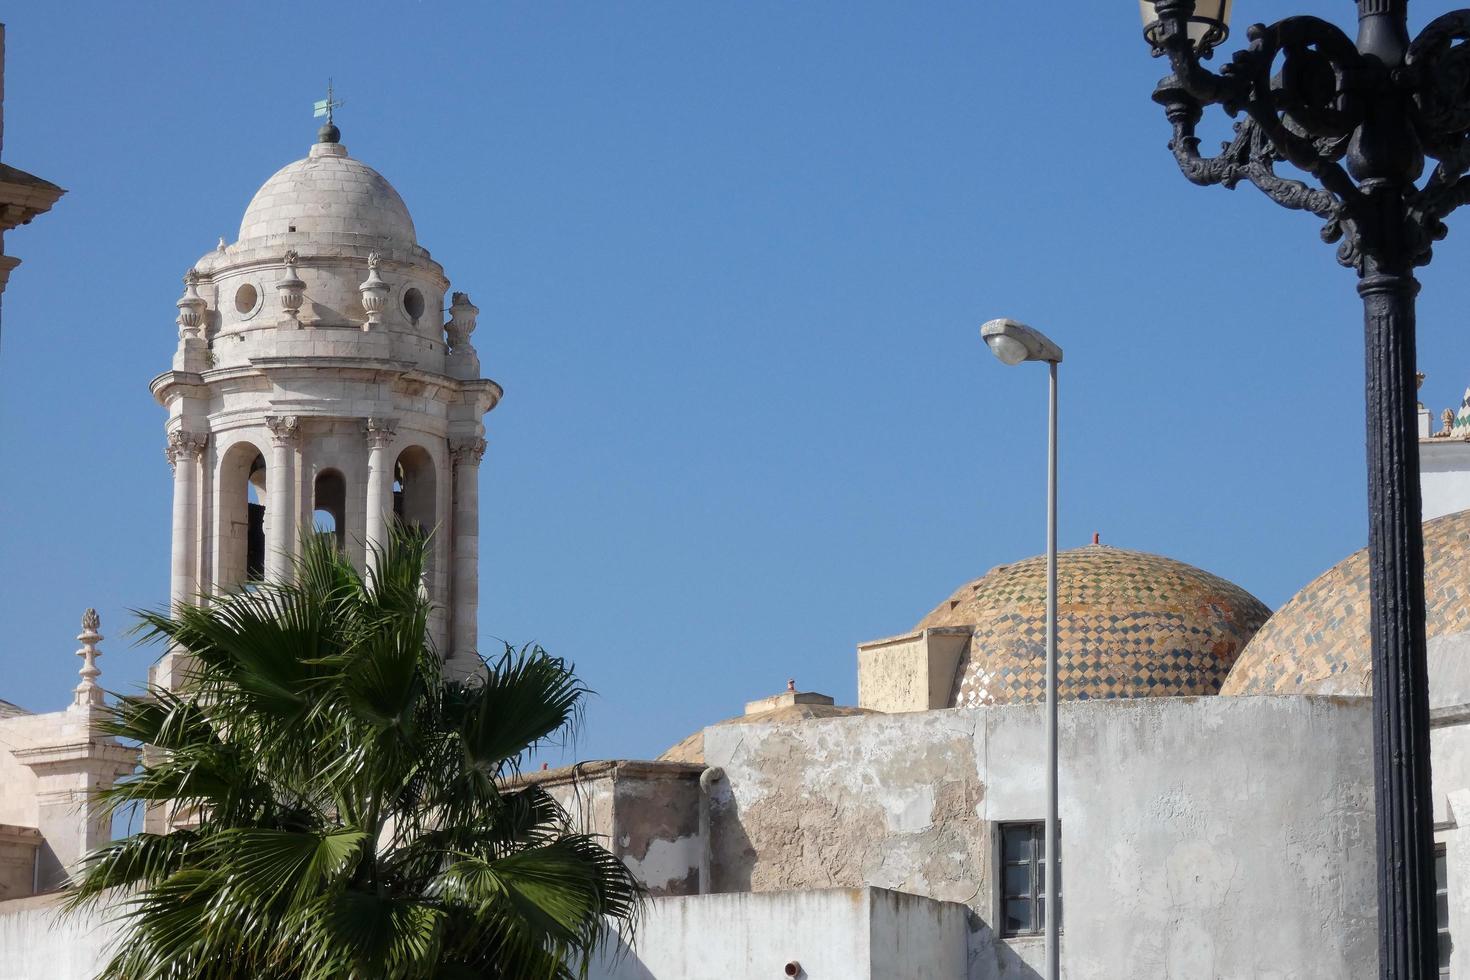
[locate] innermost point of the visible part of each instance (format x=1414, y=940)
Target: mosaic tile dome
x=1318, y=642
x=1129, y=624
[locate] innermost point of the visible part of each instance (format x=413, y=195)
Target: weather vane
x=325, y=106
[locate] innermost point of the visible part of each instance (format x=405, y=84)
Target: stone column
x=183, y=453
x=464, y=600
x=379, y=484
x=280, y=498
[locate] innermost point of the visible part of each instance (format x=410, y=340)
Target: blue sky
x=731, y=261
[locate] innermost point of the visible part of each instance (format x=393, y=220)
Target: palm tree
x=346, y=809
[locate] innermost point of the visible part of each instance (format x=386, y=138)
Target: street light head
x=1008, y=349
x=1014, y=342
x=1207, y=24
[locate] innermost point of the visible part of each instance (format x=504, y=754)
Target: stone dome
x=691, y=749
x=1318, y=643
x=1129, y=624
x=328, y=196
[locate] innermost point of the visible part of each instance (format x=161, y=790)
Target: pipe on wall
x=707, y=780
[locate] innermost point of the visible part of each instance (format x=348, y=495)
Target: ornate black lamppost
x=1359, y=119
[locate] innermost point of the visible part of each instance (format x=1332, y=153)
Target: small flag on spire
x=325, y=106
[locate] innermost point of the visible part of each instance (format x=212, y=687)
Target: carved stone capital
x=184, y=445
x=285, y=429
x=467, y=451
x=379, y=432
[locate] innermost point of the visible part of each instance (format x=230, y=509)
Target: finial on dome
x=329, y=133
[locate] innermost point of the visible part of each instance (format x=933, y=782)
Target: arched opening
x=414, y=489
x=241, y=508
x=255, y=530
x=329, y=506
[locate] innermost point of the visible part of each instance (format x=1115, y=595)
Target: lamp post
x=1357, y=119
x=1015, y=343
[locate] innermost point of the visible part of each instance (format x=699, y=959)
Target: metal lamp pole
x=1358, y=119
x=1014, y=343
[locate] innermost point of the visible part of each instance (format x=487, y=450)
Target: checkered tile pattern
x=1129, y=624
x=1461, y=429
x=1318, y=643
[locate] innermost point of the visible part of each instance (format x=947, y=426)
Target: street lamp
x=1209, y=23
x=1358, y=118
x=1014, y=343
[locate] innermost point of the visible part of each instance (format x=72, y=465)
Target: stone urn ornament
x=374, y=293
x=462, y=317
x=191, y=307
x=290, y=288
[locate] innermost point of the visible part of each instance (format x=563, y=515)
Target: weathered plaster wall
x=37, y=942
x=1233, y=837
x=657, y=828
x=914, y=672
x=837, y=934
x=647, y=813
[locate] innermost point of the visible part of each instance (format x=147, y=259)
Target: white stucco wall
x=1444, y=476
x=37, y=942
x=1208, y=837
x=834, y=934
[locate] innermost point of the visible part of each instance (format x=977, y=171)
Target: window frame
x=1036, y=865
x=1442, y=928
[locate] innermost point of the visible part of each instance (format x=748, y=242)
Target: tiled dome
x=1318, y=643
x=1129, y=624
x=329, y=196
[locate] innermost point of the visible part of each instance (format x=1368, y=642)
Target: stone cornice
x=183, y=384
x=614, y=768
x=14, y=834
x=1449, y=716
x=23, y=196
x=267, y=259
x=482, y=393
x=77, y=757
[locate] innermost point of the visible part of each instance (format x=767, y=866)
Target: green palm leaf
x=347, y=810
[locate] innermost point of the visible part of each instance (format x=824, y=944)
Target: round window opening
x=246, y=298
x=413, y=304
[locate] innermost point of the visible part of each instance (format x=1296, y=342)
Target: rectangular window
x=1022, y=873
x=1442, y=909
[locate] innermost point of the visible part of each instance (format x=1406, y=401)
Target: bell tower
x=317, y=385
